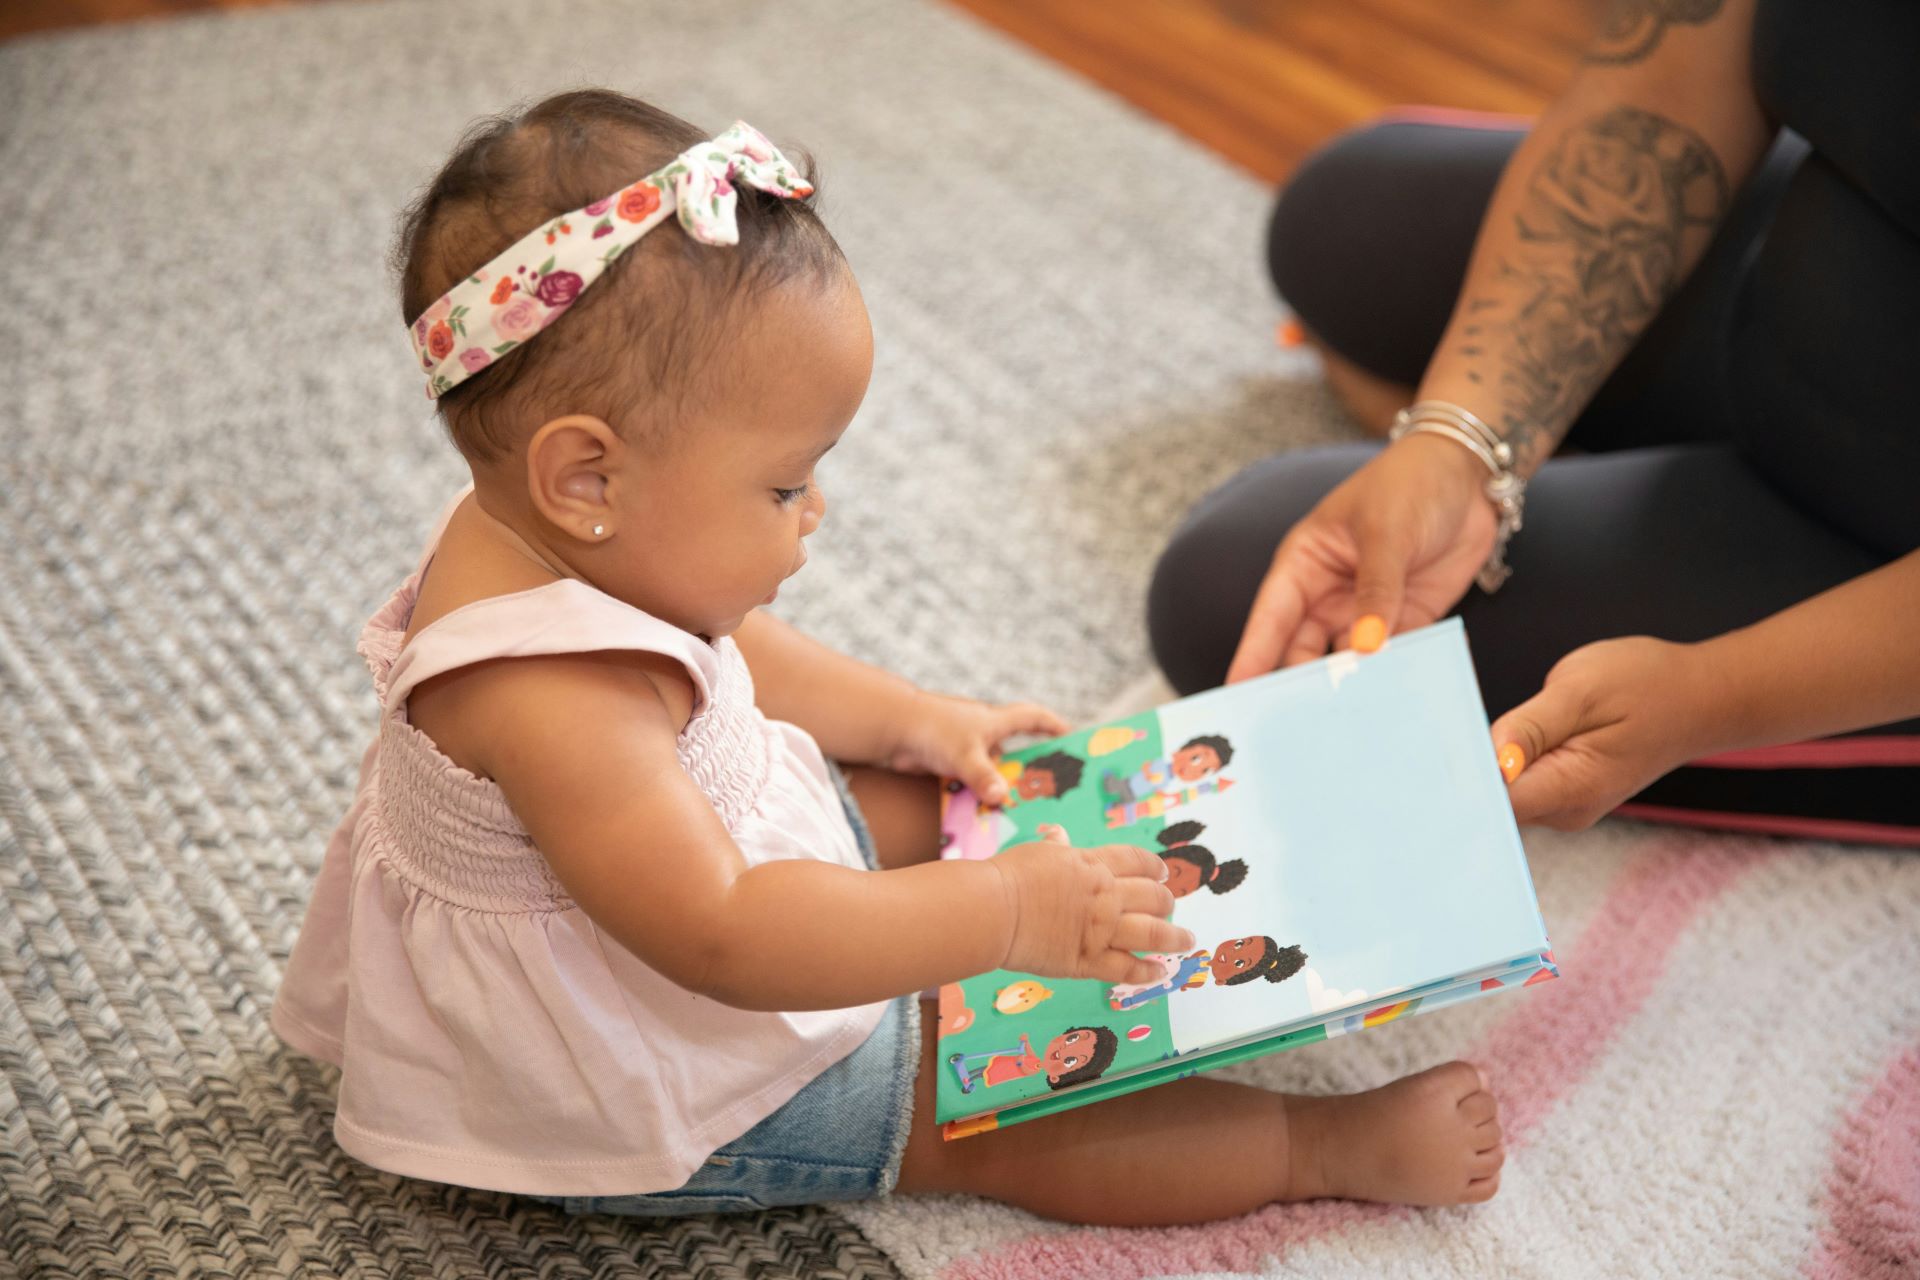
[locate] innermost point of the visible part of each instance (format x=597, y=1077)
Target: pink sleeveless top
x=488, y=1034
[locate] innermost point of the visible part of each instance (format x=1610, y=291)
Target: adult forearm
x=1602, y=213
x=1846, y=659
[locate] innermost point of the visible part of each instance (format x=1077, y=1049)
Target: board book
x=1338, y=839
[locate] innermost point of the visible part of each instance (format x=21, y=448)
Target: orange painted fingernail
x=1512, y=761
x=1369, y=633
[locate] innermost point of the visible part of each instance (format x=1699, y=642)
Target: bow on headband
x=533, y=282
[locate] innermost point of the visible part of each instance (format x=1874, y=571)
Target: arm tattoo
x=1632, y=28
x=1604, y=229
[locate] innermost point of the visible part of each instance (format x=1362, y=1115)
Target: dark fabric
x=1824, y=341
x=1751, y=451
x=1845, y=74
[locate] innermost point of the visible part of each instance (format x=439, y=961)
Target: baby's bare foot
x=1432, y=1138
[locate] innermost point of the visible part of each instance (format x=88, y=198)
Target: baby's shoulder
x=561, y=703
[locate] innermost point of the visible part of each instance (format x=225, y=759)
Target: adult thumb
x=1379, y=584
x=1529, y=732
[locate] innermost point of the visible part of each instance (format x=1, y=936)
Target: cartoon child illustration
x=1239, y=960
x=1233, y=962
x=1041, y=778
x=1177, y=973
x=1192, y=867
x=1075, y=1056
x=1200, y=758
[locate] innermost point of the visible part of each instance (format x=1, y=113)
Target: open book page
x=1337, y=836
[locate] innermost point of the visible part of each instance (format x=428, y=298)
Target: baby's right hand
x=1082, y=913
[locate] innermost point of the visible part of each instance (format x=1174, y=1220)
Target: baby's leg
x=902, y=811
x=1200, y=1149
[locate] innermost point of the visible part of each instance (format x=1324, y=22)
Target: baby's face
x=714, y=518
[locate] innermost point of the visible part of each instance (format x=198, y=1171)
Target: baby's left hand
x=958, y=738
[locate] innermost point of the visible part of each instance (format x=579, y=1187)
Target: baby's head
x=658, y=437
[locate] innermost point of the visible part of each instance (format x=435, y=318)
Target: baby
x=606, y=923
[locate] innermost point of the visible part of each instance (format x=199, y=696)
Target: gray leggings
x=1693, y=511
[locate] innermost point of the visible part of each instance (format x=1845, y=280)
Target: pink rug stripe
x=1873, y=1193
x=1541, y=1051
x=1534, y=1057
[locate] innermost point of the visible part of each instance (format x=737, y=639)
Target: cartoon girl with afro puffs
x=1192, y=867
x=1239, y=960
x=1233, y=962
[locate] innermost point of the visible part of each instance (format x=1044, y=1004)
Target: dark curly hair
x=1105, y=1045
x=1214, y=743
x=644, y=336
x=1066, y=770
x=1177, y=842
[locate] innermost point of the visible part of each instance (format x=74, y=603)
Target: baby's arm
x=584, y=749
x=851, y=709
x=863, y=715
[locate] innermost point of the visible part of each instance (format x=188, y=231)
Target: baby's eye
x=788, y=497
x=1069, y=1062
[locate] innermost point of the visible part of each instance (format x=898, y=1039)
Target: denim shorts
x=839, y=1138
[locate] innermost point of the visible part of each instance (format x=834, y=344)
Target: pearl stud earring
x=599, y=529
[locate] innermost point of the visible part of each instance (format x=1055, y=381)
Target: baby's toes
x=1457, y=1081
x=1481, y=1190
x=1479, y=1108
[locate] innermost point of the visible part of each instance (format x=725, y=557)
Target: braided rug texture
x=218, y=460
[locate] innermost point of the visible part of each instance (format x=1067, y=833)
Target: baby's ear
x=569, y=463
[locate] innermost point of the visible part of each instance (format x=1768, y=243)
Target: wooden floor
x=1260, y=81
x=1265, y=81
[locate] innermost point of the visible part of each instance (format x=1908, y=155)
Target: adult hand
x=1399, y=540
x=1612, y=717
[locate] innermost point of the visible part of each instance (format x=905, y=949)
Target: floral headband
x=535, y=280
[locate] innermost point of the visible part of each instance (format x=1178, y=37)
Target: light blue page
x=1366, y=803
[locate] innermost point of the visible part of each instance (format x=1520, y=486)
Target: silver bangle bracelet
x=1505, y=488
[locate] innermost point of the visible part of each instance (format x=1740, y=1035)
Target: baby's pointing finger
x=1123, y=966
x=1146, y=896
x=1149, y=933
x=1131, y=860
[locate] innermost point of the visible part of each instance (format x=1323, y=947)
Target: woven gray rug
x=217, y=461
